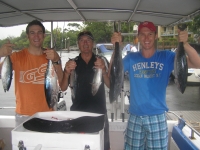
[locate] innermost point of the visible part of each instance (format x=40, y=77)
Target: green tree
x=101, y=31
x=127, y=28
x=69, y=35
x=74, y=26
x=194, y=26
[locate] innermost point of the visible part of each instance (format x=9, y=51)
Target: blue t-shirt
x=148, y=81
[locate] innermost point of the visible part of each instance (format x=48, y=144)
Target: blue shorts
x=146, y=132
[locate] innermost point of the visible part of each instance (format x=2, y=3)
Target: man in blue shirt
x=149, y=72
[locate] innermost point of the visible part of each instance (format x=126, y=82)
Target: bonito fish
x=51, y=86
x=116, y=74
x=73, y=83
x=180, y=66
x=96, y=80
x=73, y=80
x=6, y=73
x=105, y=62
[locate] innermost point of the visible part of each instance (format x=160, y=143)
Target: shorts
x=146, y=132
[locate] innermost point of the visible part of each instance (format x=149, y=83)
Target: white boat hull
x=117, y=128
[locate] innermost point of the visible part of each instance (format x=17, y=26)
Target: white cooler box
x=58, y=141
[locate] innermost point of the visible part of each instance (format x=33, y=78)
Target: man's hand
x=116, y=37
x=52, y=55
x=183, y=36
x=69, y=66
x=6, y=49
x=99, y=63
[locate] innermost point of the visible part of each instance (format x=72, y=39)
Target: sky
x=16, y=31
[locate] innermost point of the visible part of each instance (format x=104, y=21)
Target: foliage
x=191, y=40
x=127, y=28
x=59, y=35
x=101, y=31
x=194, y=26
x=169, y=39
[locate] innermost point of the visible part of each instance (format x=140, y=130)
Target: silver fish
x=73, y=83
x=51, y=86
x=180, y=68
x=96, y=80
x=116, y=74
x=6, y=73
x=73, y=80
x=105, y=62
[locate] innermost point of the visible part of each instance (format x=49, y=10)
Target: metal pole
x=122, y=103
x=68, y=45
x=51, y=33
x=65, y=43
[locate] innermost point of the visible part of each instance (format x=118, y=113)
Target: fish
x=73, y=83
x=180, y=66
x=105, y=62
x=97, y=79
x=96, y=82
x=73, y=80
x=6, y=73
x=51, y=86
x=116, y=74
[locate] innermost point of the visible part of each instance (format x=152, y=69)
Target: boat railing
x=183, y=122
x=7, y=107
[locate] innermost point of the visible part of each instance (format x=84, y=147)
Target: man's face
x=36, y=36
x=85, y=44
x=147, y=38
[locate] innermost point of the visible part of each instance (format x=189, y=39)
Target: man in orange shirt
x=30, y=66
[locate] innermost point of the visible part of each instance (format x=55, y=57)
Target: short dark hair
x=35, y=22
x=87, y=33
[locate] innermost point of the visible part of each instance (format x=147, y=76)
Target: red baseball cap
x=147, y=24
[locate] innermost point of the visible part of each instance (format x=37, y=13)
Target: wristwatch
x=57, y=62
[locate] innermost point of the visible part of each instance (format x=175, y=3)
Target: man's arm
x=69, y=66
x=65, y=81
x=59, y=71
x=193, y=58
x=106, y=78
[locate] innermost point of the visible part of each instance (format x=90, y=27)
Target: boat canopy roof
x=161, y=12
